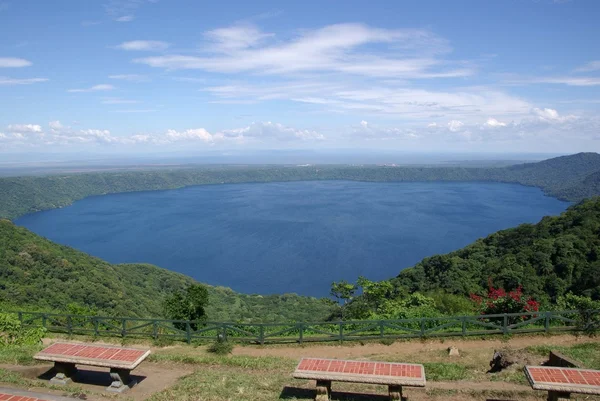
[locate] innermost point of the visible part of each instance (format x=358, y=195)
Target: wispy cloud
x=129, y=77
x=95, y=88
x=21, y=81
x=404, y=53
x=124, y=10
x=589, y=67
x=134, y=111
x=143, y=45
x=13, y=62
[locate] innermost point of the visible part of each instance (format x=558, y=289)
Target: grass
x=586, y=353
x=235, y=361
x=441, y=371
x=22, y=355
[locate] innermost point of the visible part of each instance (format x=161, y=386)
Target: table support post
x=323, y=390
x=395, y=392
x=64, y=372
x=121, y=380
x=558, y=396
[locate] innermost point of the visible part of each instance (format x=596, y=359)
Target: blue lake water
x=290, y=237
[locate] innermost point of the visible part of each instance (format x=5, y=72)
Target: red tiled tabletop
x=99, y=355
x=572, y=380
x=363, y=371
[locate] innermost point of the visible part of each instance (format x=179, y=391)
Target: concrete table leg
x=558, y=396
x=323, y=390
x=64, y=372
x=121, y=380
x=395, y=393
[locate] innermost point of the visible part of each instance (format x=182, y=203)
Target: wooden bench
x=394, y=375
x=120, y=360
x=561, y=382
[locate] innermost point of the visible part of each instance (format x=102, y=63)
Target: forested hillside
x=38, y=274
x=551, y=258
x=569, y=177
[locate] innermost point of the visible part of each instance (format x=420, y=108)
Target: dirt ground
x=475, y=354
x=400, y=348
x=151, y=378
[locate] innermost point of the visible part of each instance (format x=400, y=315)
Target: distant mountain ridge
x=571, y=178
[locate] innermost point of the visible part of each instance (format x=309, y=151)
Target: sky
x=148, y=76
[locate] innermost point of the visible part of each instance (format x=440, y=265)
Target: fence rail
x=263, y=333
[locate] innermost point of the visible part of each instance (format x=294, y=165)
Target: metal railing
x=262, y=333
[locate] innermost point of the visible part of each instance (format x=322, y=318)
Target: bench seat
x=394, y=375
x=120, y=360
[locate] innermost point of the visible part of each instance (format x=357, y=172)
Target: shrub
x=498, y=301
x=221, y=347
x=13, y=333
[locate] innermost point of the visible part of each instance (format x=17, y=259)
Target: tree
x=343, y=290
x=187, y=305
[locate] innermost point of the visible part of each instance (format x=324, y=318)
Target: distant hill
x=562, y=177
x=557, y=255
x=36, y=273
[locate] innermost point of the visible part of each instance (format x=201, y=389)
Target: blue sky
x=140, y=76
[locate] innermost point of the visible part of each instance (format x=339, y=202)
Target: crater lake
x=291, y=236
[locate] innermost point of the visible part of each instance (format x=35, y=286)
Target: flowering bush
x=498, y=301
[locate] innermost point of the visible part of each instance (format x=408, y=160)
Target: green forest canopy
x=36, y=273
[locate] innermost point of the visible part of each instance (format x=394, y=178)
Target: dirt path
x=400, y=348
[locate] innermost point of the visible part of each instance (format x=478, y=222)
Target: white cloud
x=409, y=53
x=124, y=10
x=95, y=88
x=24, y=128
x=366, y=131
x=551, y=116
x=455, y=125
x=125, y=18
x=55, y=125
x=492, y=122
x=560, y=80
x=21, y=81
x=276, y=131
x=235, y=38
x=12, y=62
x=143, y=45
x=591, y=66
x=129, y=77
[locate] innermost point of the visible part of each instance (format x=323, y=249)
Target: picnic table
x=120, y=360
x=561, y=382
x=394, y=375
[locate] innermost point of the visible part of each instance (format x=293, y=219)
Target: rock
x=453, y=351
x=506, y=358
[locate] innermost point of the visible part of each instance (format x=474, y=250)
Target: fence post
x=505, y=324
x=188, y=334
x=96, y=331
x=69, y=325
x=422, y=323
x=155, y=329
x=261, y=335
x=123, y=327
x=224, y=332
x=44, y=320
x=547, y=322
x=381, y=329
x=20, y=316
x=464, y=325
x=341, y=331
x=300, y=332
